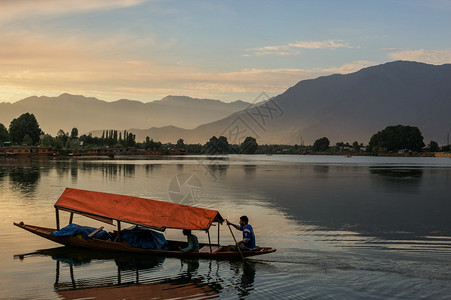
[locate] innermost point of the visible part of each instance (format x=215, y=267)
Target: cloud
x=43, y=64
x=23, y=9
x=320, y=45
x=350, y=67
x=23, y=50
x=294, y=48
x=435, y=57
x=44, y=70
x=35, y=64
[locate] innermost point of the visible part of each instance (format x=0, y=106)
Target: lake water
x=344, y=228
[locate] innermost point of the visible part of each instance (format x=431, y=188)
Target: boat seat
x=206, y=249
x=95, y=232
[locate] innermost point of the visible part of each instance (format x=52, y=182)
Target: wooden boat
x=152, y=214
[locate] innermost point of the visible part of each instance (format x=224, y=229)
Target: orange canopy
x=150, y=213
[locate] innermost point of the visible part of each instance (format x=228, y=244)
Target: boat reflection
x=144, y=277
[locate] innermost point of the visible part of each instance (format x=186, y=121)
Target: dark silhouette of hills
x=344, y=108
x=87, y=114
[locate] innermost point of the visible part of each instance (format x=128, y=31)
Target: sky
x=228, y=50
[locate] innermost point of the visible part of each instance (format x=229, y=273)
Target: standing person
x=248, y=242
x=193, y=243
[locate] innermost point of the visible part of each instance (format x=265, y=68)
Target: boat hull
x=207, y=251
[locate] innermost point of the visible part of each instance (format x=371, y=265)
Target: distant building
x=26, y=150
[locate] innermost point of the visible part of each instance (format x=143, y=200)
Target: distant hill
x=87, y=114
x=344, y=108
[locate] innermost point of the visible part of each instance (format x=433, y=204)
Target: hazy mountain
x=345, y=108
x=67, y=111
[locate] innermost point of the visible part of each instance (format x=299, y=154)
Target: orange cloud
x=19, y=10
x=32, y=64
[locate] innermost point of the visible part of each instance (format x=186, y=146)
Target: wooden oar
x=239, y=250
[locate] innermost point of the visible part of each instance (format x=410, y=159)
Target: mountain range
x=344, y=108
x=87, y=114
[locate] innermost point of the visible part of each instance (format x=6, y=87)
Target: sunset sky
x=227, y=50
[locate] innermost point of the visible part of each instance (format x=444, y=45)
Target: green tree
x=26, y=124
x=130, y=140
x=47, y=140
x=180, y=144
x=321, y=144
x=218, y=146
x=74, y=133
x=223, y=145
x=61, y=139
x=74, y=144
x=89, y=140
x=148, y=144
x=4, y=135
x=27, y=140
x=151, y=145
x=433, y=146
x=395, y=138
x=249, y=146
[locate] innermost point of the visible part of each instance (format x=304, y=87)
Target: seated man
x=193, y=243
x=248, y=242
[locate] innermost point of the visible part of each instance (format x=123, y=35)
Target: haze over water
x=360, y=227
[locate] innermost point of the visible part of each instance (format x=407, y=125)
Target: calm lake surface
x=354, y=228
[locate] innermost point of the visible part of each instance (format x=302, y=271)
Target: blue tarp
x=144, y=238
x=74, y=229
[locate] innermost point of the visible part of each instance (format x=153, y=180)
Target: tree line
x=25, y=130
x=391, y=139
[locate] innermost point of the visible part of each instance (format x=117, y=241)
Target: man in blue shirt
x=193, y=244
x=248, y=242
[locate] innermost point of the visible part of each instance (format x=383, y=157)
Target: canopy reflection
x=142, y=276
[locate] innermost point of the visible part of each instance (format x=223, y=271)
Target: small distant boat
x=151, y=214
